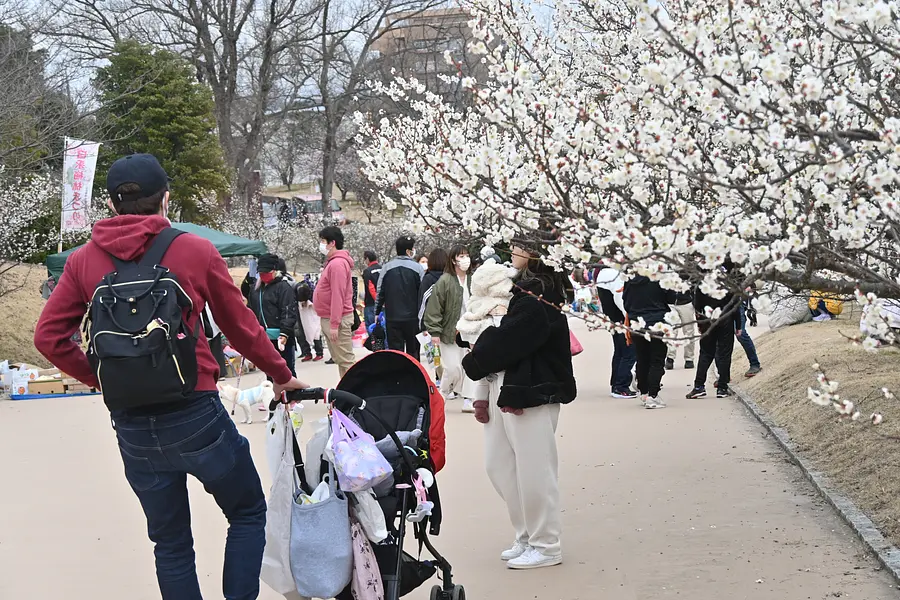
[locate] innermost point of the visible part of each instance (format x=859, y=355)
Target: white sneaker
x=534, y=559
x=651, y=402
x=468, y=405
x=517, y=550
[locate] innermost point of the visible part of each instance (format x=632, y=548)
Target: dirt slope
x=864, y=461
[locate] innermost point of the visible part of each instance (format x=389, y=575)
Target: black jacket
x=701, y=301
x=646, y=299
x=279, y=306
x=398, y=289
x=370, y=275
x=609, y=307
x=532, y=346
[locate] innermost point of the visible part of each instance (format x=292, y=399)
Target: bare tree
x=342, y=60
x=241, y=50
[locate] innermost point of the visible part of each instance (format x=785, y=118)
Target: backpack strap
x=160, y=245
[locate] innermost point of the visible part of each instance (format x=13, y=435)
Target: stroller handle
x=344, y=401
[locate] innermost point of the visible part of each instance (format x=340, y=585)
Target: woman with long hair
x=444, y=308
x=526, y=359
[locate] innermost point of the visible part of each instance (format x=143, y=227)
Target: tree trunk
x=329, y=161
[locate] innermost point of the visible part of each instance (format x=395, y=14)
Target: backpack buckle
x=161, y=268
x=104, y=299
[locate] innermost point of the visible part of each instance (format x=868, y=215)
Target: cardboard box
x=45, y=387
x=49, y=373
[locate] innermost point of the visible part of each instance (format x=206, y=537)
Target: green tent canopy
x=228, y=245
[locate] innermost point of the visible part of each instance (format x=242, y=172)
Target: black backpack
x=140, y=346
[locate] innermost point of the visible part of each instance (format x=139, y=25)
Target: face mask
x=323, y=248
x=464, y=262
x=267, y=277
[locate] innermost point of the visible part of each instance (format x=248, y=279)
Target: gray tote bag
x=321, y=547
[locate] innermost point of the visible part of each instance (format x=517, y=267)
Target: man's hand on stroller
x=293, y=384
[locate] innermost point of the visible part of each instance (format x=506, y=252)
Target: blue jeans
x=746, y=342
x=623, y=361
x=201, y=440
x=369, y=315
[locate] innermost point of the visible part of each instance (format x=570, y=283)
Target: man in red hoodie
x=161, y=444
x=333, y=298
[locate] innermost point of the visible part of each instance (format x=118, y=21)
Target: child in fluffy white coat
x=492, y=285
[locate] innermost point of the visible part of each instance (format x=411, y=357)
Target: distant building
x=415, y=47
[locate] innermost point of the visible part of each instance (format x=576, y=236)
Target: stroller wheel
x=457, y=593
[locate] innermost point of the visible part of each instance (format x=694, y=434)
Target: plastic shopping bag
x=315, y=449
x=369, y=515
x=357, y=460
x=276, y=566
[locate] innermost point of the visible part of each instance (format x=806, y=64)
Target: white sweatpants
x=523, y=465
x=686, y=315
x=454, y=377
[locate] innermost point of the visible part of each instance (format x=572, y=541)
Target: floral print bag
x=366, y=583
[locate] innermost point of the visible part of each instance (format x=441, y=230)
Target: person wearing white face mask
x=333, y=299
x=445, y=306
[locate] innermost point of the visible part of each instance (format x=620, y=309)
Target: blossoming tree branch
x=670, y=141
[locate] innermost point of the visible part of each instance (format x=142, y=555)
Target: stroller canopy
x=392, y=373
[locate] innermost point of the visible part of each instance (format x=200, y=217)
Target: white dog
x=263, y=393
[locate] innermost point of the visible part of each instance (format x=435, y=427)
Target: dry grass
x=862, y=460
x=19, y=312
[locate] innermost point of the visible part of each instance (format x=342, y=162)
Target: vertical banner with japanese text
x=78, y=181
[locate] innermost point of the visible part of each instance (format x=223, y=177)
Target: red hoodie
x=333, y=298
x=202, y=273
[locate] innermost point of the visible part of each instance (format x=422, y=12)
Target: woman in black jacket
x=274, y=303
x=528, y=362
x=647, y=300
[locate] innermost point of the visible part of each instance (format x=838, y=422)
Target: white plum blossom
x=668, y=141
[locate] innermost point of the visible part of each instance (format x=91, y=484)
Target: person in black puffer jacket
x=273, y=302
x=528, y=362
x=647, y=300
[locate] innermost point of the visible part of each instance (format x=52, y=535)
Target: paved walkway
x=689, y=502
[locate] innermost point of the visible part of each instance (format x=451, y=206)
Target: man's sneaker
x=517, y=550
x=306, y=358
x=624, y=394
x=670, y=364
x=318, y=358
x=697, y=392
x=688, y=364
x=822, y=317
x=753, y=371
x=650, y=402
x=330, y=361
x=534, y=559
x=468, y=405
x=723, y=393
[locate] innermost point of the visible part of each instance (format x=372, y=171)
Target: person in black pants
x=610, y=287
x=398, y=297
x=647, y=300
x=717, y=343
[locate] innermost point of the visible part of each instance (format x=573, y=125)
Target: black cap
x=268, y=263
x=140, y=169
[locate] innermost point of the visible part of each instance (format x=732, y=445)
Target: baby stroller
x=387, y=392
